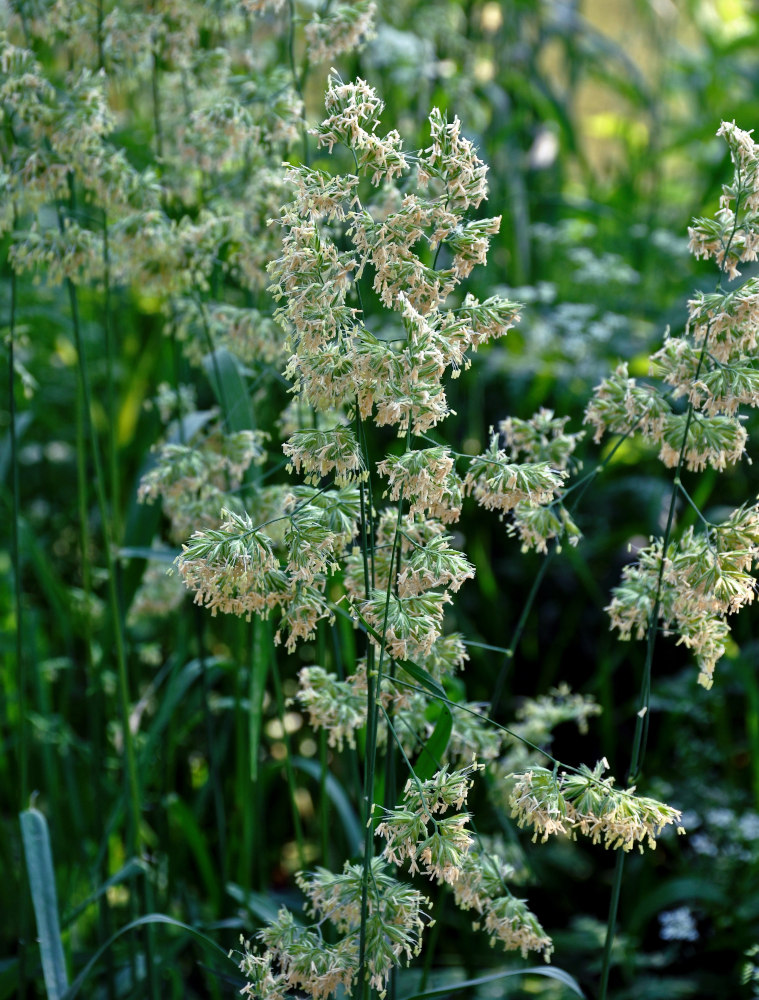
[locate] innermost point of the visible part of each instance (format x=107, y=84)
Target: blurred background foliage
x=597, y=121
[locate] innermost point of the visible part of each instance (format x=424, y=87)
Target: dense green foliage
x=185, y=765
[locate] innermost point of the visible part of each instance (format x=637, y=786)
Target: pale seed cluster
x=193, y=481
x=584, y=802
x=482, y=887
x=433, y=844
x=703, y=577
x=298, y=958
x=732, y=236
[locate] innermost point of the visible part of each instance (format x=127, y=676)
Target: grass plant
x=257, y=347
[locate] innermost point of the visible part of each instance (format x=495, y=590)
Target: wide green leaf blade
x=224, y=373
x=429, y=760
x=39, y=865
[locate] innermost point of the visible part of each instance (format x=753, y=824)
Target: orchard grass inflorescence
x=316, y=276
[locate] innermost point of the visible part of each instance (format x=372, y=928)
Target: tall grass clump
x=386, y=762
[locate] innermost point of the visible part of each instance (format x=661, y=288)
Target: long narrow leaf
x=340, y=801
x=39, y=865
x=259, y=669
x=135, y=866
x=224, y=373
x=421, y=676
x=434, y=748
x=184, y=825
x=151, y=918
x=261, y=906
x=548, y=971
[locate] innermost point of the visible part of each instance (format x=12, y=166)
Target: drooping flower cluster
x=585, y=802
x=536, y=720
x=481, y=886
x=530, y=490
x=701, y=578
x=704, y=578
x=337, y=706
x=542, y=438
x=237, y=568
x=193, y=480
x=434, y=845
x=298, y=957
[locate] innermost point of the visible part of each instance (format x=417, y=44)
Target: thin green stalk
x=122, y=677
x=156, y=94
x=299, y=79
x=260, y=660
x=113, y=458
x=337, y=653
x=242, y=790
x=100, y=36
x=176, y=363
x=518, y=630
x=368, y=794
x=97, y=716
x=367, y=523
x=642, y=718
x=323, y=763
x=323, y=797
x=213, y=764
x=21, y=676
x=289, y=770
x=611, y=924
x=134, y=836
x=85, y=542
x=433, y=937
x=214, y=360
x=372, y=708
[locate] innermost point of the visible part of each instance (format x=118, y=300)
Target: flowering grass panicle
x=433, y=844
x=701, y=578
x=345, y=27
x=482, y=887
x=298, y=957
x=567, y=802
x=194, y=481
x=498, y=483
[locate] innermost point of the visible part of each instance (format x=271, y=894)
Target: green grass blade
x=421, y=677
x=135, y=866
x=187, y=828
x=262, y=906
x=39, y=865
x=434, y=748
x=340, y=800
x=259, y=669
x=549, y=972
x=150, y=918
x=224, y=372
